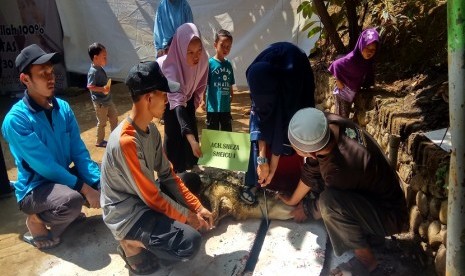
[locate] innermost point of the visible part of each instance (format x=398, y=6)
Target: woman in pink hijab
x=186, y=63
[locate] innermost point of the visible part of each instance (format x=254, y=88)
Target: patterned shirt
x=220, y=80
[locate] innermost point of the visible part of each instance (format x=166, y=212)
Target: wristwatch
x=261, y=160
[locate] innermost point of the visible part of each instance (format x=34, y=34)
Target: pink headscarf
x=193, y=79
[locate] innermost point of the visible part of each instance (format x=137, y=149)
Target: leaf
x=314, y=31
x=303, y=6
x=308, y=26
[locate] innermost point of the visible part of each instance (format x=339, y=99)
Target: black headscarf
x=281, y=82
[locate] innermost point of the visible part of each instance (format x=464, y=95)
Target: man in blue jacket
x=44, y=139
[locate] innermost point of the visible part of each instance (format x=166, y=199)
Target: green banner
x=225, y=150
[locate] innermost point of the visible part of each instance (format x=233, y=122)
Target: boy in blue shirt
x=99, y=87
x=220, y=81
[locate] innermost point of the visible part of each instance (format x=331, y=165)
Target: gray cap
x=308, y=130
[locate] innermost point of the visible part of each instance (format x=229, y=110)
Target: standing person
x=5, y=188
x=44, y=139
x=354, y=71
x=97, y=81
x=169, y=16
x=360, y=197
x=220, y=84
x=151, y=218
x=186, y=63
x=281, y=82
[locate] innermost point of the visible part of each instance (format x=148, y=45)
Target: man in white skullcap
x=353, y=188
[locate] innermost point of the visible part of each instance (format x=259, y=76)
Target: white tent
x=125, y=27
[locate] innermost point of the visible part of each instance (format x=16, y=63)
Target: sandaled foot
x=248, y=195
x=141, y=264
x=42, y=242
x=352, y=267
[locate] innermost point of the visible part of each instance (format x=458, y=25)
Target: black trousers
x=177, y=148
x=164, y=237
x=351, y=218
x=219, y=121
x=4, y=181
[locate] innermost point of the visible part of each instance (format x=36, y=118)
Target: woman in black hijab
x=281, y=82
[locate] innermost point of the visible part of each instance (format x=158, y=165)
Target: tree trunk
x=354, y=29
x=329, y=26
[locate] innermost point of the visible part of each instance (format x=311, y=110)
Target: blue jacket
x=42, y=153
x=169, y=16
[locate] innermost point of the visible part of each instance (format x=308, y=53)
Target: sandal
x=145, y=262
x=36, y=241
x=248, y=196
x=352, y=267
x=102, y=144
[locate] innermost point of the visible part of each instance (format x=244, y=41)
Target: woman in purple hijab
x=354, y=70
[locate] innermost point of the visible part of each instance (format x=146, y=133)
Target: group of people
x=323, y=164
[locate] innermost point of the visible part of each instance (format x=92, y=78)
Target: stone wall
x=407, y=111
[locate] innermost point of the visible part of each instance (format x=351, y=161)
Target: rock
x=440, y=261
x=434, y=236
x=405, y=172
x=443, y=212
x=385, y=141
x=443, y=233
x=415, y=219
x=422, y=203
x=434, y=208
x=423, y=230
x=409, y=194
x=417, y=182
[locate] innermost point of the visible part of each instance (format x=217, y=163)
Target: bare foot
x=40, y=236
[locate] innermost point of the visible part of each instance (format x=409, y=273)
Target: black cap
x=33, y=54
x=146, y=77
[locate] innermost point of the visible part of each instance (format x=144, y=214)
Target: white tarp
x=24, y=22
x=125, y=27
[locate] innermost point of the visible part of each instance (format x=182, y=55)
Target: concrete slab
x=224, y=251
x=292, y=248
x=88, y=248
x=441, y=137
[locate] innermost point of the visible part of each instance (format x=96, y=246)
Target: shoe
x=102, y=144
x=145, y=262
x=248, y=195
x=27, y=237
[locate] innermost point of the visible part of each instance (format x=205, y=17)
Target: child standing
x=97, y=81
x=354, y=70
x=220, y=81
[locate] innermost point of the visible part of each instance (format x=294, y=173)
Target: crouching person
x=358, y=194
x=44, y=139
x=153, y=219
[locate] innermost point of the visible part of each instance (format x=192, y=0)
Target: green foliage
x=307, y=9
x=441, y=174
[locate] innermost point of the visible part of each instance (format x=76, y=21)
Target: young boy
x=100, y=92
x=220, y=81
x=151, y=218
